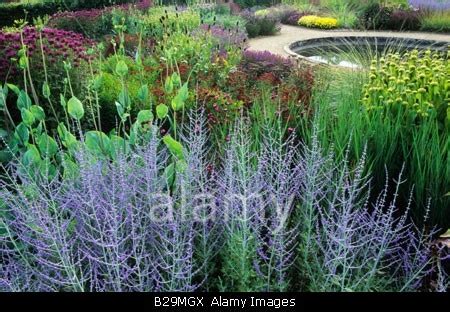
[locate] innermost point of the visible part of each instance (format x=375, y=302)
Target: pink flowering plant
x=41, y=53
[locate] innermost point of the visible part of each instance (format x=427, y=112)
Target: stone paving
x=289, y=34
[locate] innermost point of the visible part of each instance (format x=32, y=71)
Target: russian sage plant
x=275, y=216
x=352, y=244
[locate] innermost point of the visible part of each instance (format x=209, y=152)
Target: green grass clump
x=436, y=21
x=394, y=140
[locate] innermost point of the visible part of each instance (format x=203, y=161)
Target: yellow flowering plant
x=418, y=81
x=313, y=21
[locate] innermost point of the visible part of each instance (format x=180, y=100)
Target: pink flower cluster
x=58, y=45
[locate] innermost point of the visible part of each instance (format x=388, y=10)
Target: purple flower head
x=226, y=36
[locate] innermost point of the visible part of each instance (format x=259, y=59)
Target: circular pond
x=358, y=51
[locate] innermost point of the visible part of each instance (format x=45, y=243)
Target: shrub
x=245, y=4
x=256, y=63
x=290, y=16
x=401, y=19
x=374, y=16
x=263, y=25
x=313, y=21
x=16, y=11
x=287, y=82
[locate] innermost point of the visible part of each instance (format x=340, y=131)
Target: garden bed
x=147, y=148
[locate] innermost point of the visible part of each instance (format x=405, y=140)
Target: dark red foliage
x=401, y=19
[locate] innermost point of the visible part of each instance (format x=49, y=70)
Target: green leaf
x=177, y=103
x=37, y=112
x=47, y=168
x=21, y=133
x=169, y=174
x=3, y=96
x=5, y=156
x=183, y=93
x=31, y=156
x=14, y=88
x=175, y=147
x=124, y=99
x=121, y=68
x=143, y=93
x=98, y=142
x=47, y=145
x=168, y=85
x=161, y=111
x=75, y=108
x=181, y=97
x=27, y=117
x=23, y=101
x=23, y=61
x=71, y=169
x=46, y=90
x=120, y=110
x=145, y=116
x=67, y=138
x=133, y=134
x=62, y=101
x=176, y=79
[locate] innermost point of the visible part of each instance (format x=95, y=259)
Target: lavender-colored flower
x=130, y=224
x=226, y=36
x=435, y=5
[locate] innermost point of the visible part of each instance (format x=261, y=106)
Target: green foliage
x=261, y=25
x=115, y=71
x=200, y=54
x=374, y=16
x=436, y=21
x=160, y=21
x=75, y=108
x=225, y=20
x=251, y=3
x=10, y=12
x=393, y=141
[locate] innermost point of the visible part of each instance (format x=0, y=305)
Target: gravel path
x=290, y=34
